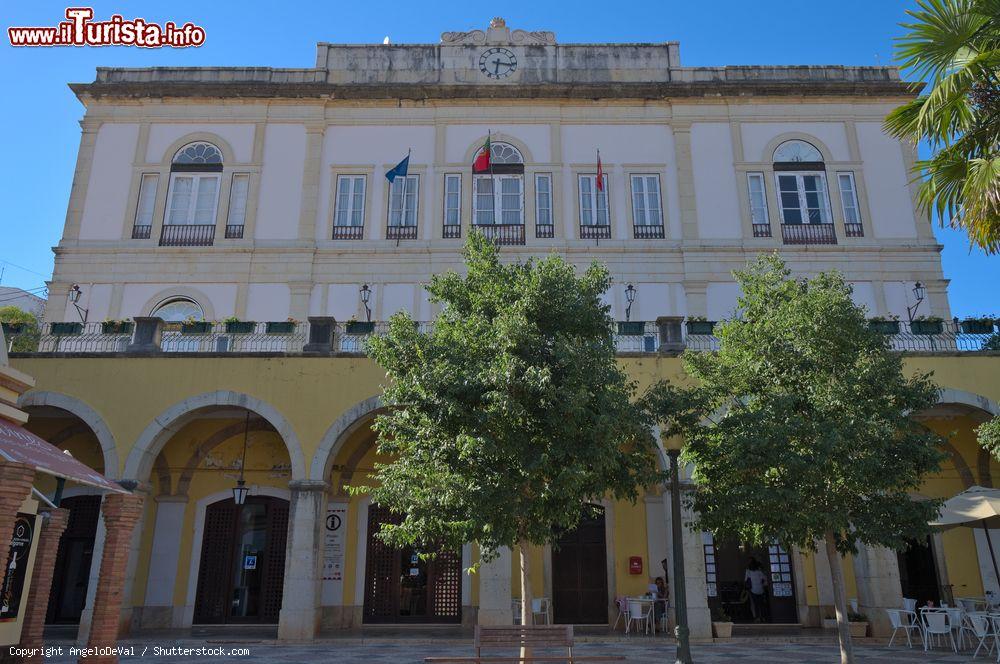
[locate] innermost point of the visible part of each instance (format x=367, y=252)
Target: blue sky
x=40, y=113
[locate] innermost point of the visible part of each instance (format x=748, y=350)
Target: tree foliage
x=989, y=437
x=27, y=339
x=808, y=430
x=955, y=46
x=511, y=412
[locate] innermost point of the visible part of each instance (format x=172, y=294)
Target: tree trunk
x=839, y=599
x=526, y=616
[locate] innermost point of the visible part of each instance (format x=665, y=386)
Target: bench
x=517, y=636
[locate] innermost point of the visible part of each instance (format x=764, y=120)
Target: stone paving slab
x=636, y=651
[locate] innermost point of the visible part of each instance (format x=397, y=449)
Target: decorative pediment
x=499, y=33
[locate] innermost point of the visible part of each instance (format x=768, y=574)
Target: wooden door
x=580, y=574
x=71, y=575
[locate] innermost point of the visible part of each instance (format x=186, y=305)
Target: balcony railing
x=595, y=232
x=234, y=231
x=808, y=234
x=503, y=234
x=629, y=337
x=648, y=232
x=545, y=230
x=141, y=232
x=854, y=230
x=762, y=230
x=451, y=231
x=348, y=232
x=401, y=232
x=182, y=235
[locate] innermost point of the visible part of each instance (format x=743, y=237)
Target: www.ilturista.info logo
x=81, y=30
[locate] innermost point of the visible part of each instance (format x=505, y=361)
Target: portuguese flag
x=482, y=162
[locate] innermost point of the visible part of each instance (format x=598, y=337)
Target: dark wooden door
x=71, y=574
x=918, y=577
x=242, y=570
x=726, y=567
x=402, y=588
x=580, y=574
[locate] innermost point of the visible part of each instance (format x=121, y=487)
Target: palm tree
x=954, y=45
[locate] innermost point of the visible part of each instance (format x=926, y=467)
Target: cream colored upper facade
x=700, y=136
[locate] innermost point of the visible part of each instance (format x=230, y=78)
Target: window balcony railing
x=182, y=235
x=451, y=231
x=401, y=232
x=234, y=231
x=348, y=232
x=545, y=230
x=854, y=230
x=595, y=232
x=141, y=232
x=503, y=234
x=808, y=234
x=640, y=232
x=762, y=230
x=645, y=337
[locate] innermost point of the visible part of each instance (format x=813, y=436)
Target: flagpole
x=493, y=182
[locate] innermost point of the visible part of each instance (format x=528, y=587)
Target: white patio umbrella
x=976, y=506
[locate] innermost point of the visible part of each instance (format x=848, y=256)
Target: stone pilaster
x=494, y=590
x=876, y=572
x=158, y=610
x=81, y=179
x=300, y=604
x=685, y=180
x=41, y=581
x=299, y=306
x=698, y=615
x=121, y=512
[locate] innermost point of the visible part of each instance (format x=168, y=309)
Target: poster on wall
x=334, y=543
x=16, y=568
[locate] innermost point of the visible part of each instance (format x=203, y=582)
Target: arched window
x=499, y=194
x=803, y=197
x=193, y=197
x=176, y=310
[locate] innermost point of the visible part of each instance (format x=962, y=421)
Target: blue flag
x=399, y=169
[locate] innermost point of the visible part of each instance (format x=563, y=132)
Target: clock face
x=497, y=63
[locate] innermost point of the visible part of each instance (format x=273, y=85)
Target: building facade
x=235, y=230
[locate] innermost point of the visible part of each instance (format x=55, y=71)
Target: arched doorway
x=918, y=578
x=580, y=572
x=400, y=587
x=242, y=567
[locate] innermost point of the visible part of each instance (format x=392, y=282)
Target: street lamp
x=240, y=491
x=366, y=295
x=74, y=299
x=630, y=298
x=672, y=445
x=918, y=294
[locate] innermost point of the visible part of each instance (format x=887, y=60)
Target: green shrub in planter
x=201, y=327
x=706, y=327
x=360, y=327
x=10, y=329
x=634, y=328
x=240, y=326
x=116, y=327
x=280, y=327
x=67, y=328
x=884, y=326
x=977, y=326
x=928, y=326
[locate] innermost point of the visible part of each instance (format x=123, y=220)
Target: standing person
x=756, y=583
x=660, y=608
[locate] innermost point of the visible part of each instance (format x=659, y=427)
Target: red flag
x=600, y=173
x=482, y=162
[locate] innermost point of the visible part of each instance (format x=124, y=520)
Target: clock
x=497, y=63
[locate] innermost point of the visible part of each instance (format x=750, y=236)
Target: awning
x=21, y=446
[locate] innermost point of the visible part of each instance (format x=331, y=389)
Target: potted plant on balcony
x=633, y=328
x=236, y=326
x=884, y=324
x=10, y=329
x=978, y=324
x=192, y=326
x=858, y=623
x=927, y=325
x=361, y=327
x=113, y=326
x=67, y=328
x=722, y=624
x=281, y=326
x=700, y=325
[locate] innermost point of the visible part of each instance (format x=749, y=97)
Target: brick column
x=15, y=486
x=41, y=580
x=121, y=512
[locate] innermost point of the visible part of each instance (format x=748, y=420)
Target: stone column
x=699, y=617
x=494, y=590
x=158, y=609
x=300, y=613
x=876, y=572
x=15, y=486
x=121, y=512
x=41, y=580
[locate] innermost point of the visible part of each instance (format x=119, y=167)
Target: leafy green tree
x=26, y=340
x=955, y=46
x=510, y=413
x=804, y=435
x=989, y=437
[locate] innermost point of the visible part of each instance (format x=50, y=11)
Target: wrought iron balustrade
x=854, y=230
x=808, y=234
x=401, y=233
x=641, y=232
x=183, y=235
x=503, y=234
x=595, y=232
x=141, y=232
x=348, y=232
x=234, y=231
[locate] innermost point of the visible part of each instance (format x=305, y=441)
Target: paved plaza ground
x=638, y=650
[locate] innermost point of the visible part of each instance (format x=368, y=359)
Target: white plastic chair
x=937, y=622
x=641, y=612
x=515, y=607
x=956, y=618
x=995, y=626
x=906, y=621
x=979, y=627
x=909, y=605
x=541, y=606
x=622, y=605
x=853, y=603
